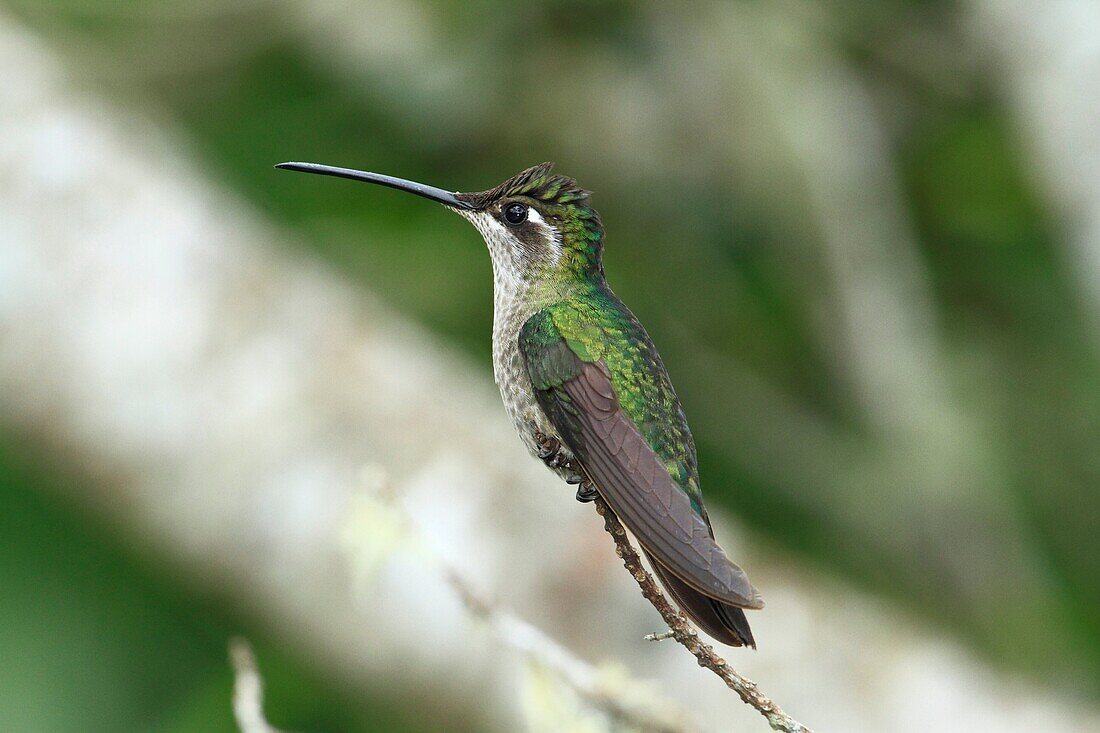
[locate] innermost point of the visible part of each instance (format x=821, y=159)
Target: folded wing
x=579, y=398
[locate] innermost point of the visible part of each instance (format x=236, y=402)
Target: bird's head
x=539, y=227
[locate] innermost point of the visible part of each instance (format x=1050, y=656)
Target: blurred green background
x=826, y=214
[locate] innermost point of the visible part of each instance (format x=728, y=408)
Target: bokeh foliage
x=711, y=239
x=97, y=636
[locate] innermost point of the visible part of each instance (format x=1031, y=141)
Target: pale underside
x=514, y=301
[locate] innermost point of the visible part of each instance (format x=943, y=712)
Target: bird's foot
x=547, y=446
x=553, y=455
x=550, y=451
x=586, y=492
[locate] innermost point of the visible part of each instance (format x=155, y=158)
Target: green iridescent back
x=596, y=325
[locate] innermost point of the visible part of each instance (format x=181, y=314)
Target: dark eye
x=515, y=214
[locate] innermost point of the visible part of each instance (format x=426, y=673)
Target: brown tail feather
x=724, y=622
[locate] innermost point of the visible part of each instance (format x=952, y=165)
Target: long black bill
x=429, y=192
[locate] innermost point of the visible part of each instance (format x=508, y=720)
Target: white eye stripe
x=548, y=231
x=534, y=216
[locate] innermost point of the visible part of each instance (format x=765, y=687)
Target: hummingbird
x=584, y=384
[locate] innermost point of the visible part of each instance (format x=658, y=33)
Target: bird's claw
x=547, y=446
x=550, y=450
x=586, y=492
x=551, y=453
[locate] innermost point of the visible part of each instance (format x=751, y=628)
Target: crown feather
x=536, y=182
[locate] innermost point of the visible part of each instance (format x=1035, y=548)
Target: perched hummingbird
x=584, y=384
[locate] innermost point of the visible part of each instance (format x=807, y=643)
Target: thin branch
x=642, y=712
x=688, y=637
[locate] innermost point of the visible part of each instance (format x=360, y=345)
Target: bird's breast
x=510, y=371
